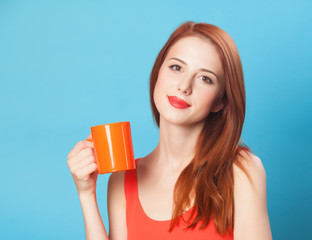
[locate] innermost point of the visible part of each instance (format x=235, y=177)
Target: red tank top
x=141, y=227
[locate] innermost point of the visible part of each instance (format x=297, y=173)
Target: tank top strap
x=130, y=186
x=131, y=192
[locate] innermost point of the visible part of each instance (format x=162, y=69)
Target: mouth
x=178, y=103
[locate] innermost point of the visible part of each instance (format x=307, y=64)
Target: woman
x=199, y=182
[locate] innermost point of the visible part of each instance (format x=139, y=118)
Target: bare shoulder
x=116, y=186
x=115, y=190
x=116, y=204
x=254, y=174
x=251, y=219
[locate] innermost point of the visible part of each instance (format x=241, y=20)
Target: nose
x=185, y=86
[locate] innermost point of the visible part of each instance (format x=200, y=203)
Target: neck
x=177, y=143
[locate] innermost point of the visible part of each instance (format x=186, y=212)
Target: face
x=190, y=82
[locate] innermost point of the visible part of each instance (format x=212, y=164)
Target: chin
x=178, y=116
x=179, y=120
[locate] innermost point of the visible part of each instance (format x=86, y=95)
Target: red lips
x=177, y=102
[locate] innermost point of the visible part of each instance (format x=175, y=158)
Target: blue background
x=68, y=65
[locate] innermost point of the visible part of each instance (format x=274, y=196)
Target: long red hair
x=210, y=173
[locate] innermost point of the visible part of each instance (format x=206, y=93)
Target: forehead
x=197, y=52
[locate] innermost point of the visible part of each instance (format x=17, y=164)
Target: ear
x=218, y=106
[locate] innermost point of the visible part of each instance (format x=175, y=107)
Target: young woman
x=200, y=182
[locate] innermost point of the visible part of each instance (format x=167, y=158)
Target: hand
x=83, y=167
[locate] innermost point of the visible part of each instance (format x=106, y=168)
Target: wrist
x=87, y=196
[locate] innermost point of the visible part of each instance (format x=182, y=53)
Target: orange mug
x=113, y=147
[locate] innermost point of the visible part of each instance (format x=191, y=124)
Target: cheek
x=158, y=92
x=161, y=85
x=161, y=90
x=157, y=88
x=206, y=101
x=206, y=98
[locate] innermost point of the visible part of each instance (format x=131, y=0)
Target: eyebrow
x=201, y=69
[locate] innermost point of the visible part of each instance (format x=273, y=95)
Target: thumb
x=89, y=136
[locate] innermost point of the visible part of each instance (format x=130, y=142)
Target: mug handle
x=89, y=139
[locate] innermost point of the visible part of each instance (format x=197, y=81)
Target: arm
x=251, y=220
x=116, y=204
x=82, y=165
x=93, y=222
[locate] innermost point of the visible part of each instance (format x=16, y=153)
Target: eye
x=206, y=79
x=176, y=67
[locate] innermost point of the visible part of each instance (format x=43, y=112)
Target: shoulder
x=116, y=205
x=248, y=170
x=251, y=219
x=116, y=185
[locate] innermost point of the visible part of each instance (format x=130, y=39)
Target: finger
x=79, y=146
x=80, y=156
x=89, y=136
x=86, y=161
x=84, y=173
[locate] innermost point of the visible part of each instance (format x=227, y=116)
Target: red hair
x=210, y=173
